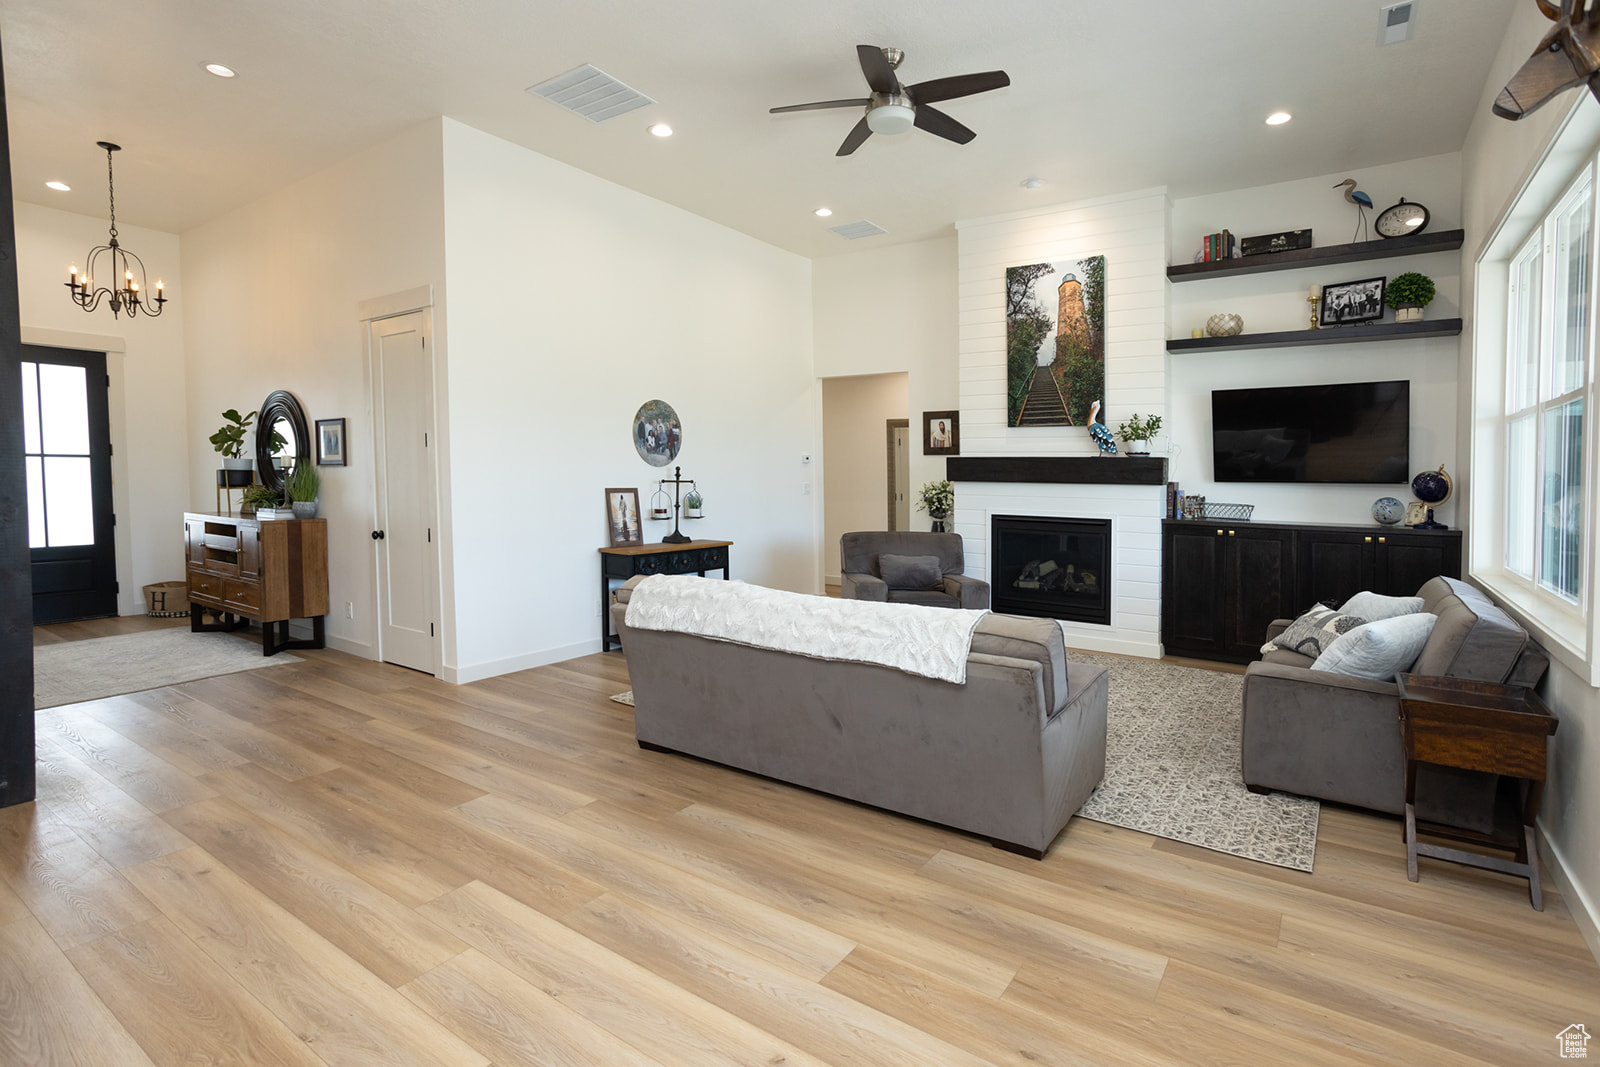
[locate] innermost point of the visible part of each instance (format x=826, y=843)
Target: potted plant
x=257, y=496
x=938, y=499
x=1137, y=433
x=302, y=486
x=229, y=441
x=692, y=503
x=1408, y=294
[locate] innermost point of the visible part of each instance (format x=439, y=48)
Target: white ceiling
x=1104, y=98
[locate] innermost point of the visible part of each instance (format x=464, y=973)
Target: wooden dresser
x=268, y=571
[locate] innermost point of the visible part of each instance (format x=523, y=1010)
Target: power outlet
x=349, y=609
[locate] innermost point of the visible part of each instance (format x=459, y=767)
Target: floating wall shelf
x=1333, y=335
x=1443, y=241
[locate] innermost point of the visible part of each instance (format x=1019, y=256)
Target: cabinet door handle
x=377, y=535
x=1383, y=540
x=1368, y=540
x=1230, y=533
x=1219, y=533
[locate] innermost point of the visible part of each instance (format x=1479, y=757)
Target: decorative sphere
x=1388, y=510
x=1225, y=324
x=1432, y=487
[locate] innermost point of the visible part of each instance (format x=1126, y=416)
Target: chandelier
x=119, y=264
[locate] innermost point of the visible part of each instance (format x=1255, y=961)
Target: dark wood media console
x=1223, y=582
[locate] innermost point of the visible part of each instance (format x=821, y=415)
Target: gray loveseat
x=1337, y=738
x=1011, y=755
x=862, y=574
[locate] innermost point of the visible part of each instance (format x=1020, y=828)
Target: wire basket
x=1229, y=512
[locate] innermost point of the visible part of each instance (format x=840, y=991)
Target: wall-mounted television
x=1358, y=432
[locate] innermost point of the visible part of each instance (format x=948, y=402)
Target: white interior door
x=407, y=520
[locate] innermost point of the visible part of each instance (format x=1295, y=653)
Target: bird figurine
x=1098, y=431
x=1361, y=200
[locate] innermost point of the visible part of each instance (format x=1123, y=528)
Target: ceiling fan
x=895, y=108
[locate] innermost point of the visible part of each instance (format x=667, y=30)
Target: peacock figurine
x=1361, y=200
x=1097, y=430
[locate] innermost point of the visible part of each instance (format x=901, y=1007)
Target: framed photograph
x=941, y=433
x=1055, y=341
x=622, y=517
x=330, y=443
x=1350, y=302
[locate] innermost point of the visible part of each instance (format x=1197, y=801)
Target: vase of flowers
x=938, y=499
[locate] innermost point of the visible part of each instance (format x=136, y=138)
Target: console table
x=270, y=571
x=625, y=561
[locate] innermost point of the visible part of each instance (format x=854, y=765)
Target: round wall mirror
x=281, y=435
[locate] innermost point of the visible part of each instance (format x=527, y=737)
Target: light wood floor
x=339, y=862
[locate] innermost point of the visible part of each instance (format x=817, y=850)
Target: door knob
x=377, y=535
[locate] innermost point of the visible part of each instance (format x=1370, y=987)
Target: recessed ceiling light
x=219, y=70
x=60, y=187
x=661, y=129
x=1278, y=118
x=823, y=212
x=1032, y=183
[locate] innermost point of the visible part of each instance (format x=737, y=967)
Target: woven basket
x=166, y=600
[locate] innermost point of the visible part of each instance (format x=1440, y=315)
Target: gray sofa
x=861, y=575
x=1338, y=738
x=1010, y=755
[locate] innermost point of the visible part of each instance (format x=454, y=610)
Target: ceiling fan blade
x=939, y=124
x=820, y=104
x=876, y=69
x=854, y=139
x=931, y=92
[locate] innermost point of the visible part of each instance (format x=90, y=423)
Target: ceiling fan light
x=891, y=118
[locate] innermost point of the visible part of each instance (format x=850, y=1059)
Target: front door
x=67, y=452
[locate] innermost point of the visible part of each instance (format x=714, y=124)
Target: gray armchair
x=920, y=568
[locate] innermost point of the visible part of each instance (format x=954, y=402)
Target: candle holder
x=1312, y=300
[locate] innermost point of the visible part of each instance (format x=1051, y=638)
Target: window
x=1547, y=377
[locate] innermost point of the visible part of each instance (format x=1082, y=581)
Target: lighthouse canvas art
x=1055, y=341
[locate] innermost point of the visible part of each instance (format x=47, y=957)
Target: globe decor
x=1388, y=510
x=1433, y=488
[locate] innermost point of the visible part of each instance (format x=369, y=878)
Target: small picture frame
x=941, y=433
x=1352, y=302
x=330, y=443
x=622, y=517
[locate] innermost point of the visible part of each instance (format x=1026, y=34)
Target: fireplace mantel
x=1078, y=470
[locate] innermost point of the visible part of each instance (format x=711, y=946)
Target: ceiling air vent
x=591, y=92
x=1396, y=22
x=850, y=231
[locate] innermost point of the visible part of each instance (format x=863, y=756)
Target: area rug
x=1172, y=766
x=74, y=671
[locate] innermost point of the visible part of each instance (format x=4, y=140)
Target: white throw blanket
x=914, y=638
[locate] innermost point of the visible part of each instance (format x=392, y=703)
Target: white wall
x=1276, y=300
x=574, y=301
x=149, y=423
x=855, y=413
x=272, y=303
x=887, y=310
x=1498, y=158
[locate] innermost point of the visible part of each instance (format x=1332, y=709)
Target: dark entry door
x=67, y=451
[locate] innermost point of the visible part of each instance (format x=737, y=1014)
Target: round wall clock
x=657, y=433
x=1401, y=219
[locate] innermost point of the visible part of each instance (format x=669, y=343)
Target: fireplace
x=1051, y=567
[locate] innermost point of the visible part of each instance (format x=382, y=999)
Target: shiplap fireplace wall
x=1131, y=231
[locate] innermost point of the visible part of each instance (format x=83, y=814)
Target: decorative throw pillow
x=1379, y=650
x=1375, y=607
x=910, y=572
x=1316, y=630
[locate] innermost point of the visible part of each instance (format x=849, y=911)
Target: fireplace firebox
x=1051, y=567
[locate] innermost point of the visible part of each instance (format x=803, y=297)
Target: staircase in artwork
x=1043, y=406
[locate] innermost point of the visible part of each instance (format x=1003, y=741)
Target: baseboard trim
x=477, y=672
x=1122, y=646
x=362, y=649
x=1582, y=908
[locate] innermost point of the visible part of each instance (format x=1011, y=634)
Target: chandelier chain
x=111, y=186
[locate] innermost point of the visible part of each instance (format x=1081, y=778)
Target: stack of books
x=1220, y=245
